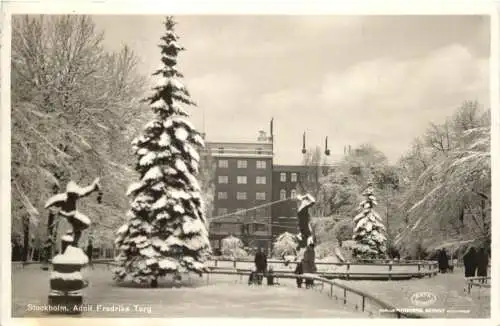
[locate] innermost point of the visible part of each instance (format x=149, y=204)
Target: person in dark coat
x=309, y=263
x=298, y=271
x=89, y=251
x=470, y=262
x=260, y=264
x=443, y=261
x=482, y=262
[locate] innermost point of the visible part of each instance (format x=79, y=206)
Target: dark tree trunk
x=154, y=283
x=26, y=239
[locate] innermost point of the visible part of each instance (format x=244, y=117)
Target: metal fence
x=373, y=269
x=478, y=282
x=342, y=294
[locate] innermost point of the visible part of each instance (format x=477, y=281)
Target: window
x=260, y=196
x=242, y=179
x=242, y=164
x=260, y=180
x=293, y=177
x=283, y=177
x=282, y=194
x=261, y=164
x=221, y=211
x=241, y=195
x=223, y=179
x=293, y=194
x=221, y=150
x=240, y=212
x=223, y=163
x=222, y=195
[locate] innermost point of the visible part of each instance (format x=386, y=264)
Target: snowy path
x=448, y=288
x=223, y=297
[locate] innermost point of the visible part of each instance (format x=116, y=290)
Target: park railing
x=374, y=269
x=368, y=269
x=346, y=295
x=479, y=282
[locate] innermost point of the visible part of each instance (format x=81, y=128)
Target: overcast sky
x=356, y=79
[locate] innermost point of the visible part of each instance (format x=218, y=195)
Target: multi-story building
x=243, y=182
x=287, y=180
x=253, y=198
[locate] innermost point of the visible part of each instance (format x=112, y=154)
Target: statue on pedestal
x=66, y=280
x=306, y=240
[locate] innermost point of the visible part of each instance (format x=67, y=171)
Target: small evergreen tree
x=166, y=231
x=368, y=230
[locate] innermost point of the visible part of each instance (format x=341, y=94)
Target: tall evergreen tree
x=166, y=231
x=369, y=230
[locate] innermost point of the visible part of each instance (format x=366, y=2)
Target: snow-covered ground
x=448, y=289
x=223, y=296
x=230, y=296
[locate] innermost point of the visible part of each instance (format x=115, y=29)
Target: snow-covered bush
x=232, y=247
x=285, y=245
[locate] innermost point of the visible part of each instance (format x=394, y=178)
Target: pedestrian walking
x=89, y=251
x=482, y=263
x=299, y=271
x=470, y=262
x=443, y=262
x=260, y=264
x=309, y=264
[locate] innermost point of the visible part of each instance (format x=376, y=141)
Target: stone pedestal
x=67, y=282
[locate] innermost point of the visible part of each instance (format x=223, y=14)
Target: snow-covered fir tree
x=369, y=230
x=166, y=231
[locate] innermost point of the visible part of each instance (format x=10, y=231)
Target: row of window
x=242, y=179
x=293, y=194
x=242, y=164
x=293, y=177
x=258, y=195
x=242, y=212
x=241, y=195
x=260, y=180
x=237, y=228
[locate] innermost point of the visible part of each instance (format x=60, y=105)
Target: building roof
x=239, y=149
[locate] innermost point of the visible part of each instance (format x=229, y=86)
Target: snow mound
x=72, y=256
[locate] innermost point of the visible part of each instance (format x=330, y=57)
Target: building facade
x=254, y=199
x=243, y=182
x=287, y=181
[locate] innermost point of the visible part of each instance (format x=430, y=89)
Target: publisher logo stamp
x=423, y=299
